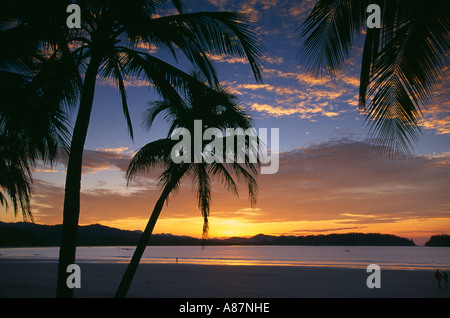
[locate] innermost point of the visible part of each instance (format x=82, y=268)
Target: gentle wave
x=390, y=257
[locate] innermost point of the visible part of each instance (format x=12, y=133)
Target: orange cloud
x=130, y=81
x=439, y=123
x=436, y=116
x=273, y=60
x=148, y=47
x=301, y=77
x=46, y=170
x=301, y=9
x=305, y=111
x=310, y=80
x=274, y=111
x=227, y=59
x=334, y=186
x=117, y=150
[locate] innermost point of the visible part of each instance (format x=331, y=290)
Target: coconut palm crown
x=216, y=109
x=402, y=61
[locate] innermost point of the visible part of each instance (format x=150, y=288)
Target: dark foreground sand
x=27, y=279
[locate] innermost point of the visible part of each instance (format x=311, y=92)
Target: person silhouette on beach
x=445, y=278
x=438, y=276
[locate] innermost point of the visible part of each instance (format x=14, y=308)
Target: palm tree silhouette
x=37, y=86
x=401, y=62
x=216, y=109
x=107, y=46
x=110, y=34
x=32, y=129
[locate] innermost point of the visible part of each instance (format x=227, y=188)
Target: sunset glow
x=330, y=178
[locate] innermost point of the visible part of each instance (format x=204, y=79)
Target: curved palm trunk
x=145, y=237
x=71, y=210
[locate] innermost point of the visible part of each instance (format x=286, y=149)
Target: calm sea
x=410, y=257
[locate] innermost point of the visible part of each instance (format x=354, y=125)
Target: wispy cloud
x=305, y=112
x=46, y=170
x=227, y=59
x=116, y=150
x=301, y=9
x=129, y=81
x=256, y=8
x=103, y=158
x=148, y=47
x=243, y=60
x=436, y=116
x=339, y=185
x=273, y=99
x=111, y=159
x=273, y=59
x=326, y=230
x=310, y=80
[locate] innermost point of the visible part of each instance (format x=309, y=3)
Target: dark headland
x=442, y=240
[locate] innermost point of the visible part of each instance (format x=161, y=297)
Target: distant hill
x=28, y=234
x=349, y=239
x=439, y=240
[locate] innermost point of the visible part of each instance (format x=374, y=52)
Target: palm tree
x=113, y=32
x=110, y=35
x=215, y=108
x=401, y=62
x=15, y=178
x=37, y=84
x=107, y=46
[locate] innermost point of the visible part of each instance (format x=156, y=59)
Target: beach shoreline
x=29, y=279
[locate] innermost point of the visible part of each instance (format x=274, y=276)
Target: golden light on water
x=225, y=228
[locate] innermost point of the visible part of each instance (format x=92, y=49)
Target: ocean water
x=387, y=257
x=405, y=257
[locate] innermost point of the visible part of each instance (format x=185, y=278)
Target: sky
x=330, y=178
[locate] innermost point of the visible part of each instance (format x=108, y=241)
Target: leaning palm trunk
x=166, y=152
x=145, y=237
x=71, y=210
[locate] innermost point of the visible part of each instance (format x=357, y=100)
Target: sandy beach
x=100, y=280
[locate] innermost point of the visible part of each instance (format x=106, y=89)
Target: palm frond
x=198, y=34
x=172, y=175
x=328, y=34
x=123, y=95
x=370, y=53
x=202, y=185
x=152, y=155
x=220, y=171
x=164, y=108
x=248, y=177
x=15, y=176
x=405, y=72
x=168, y=80
x=199, y=102
x=401, y=63
x=117, y=71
